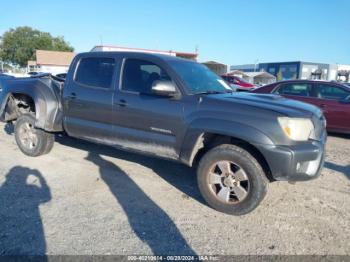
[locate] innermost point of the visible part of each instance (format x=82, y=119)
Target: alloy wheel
x=228, y=182
x=27, y=136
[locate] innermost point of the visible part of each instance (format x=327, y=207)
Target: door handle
x=72, y=96
x=122, y=103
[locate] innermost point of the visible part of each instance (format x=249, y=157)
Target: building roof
x=58, y=58
x=213, y=63
x=245, y=66
x=131, y=49
x=293, y=62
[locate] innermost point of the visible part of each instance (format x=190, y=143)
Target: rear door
x=144, y=121
x=88, y=99
x=335, y=103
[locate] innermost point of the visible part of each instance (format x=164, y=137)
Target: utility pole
x=255, y=64
x=196, y=51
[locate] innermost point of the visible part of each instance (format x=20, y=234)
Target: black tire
x=32, y=142
x=211, y=180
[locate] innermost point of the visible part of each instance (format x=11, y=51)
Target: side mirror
x=163, y=88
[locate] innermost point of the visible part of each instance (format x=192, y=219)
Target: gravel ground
x=89, y=199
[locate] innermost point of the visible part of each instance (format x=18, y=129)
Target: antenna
x=101, y=39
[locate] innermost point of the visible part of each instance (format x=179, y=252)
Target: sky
x=228, y=31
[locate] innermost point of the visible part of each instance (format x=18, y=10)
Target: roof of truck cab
x=141, y=54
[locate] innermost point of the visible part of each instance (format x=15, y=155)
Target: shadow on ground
x=178, y=175
x=345, y=170
x=9, y=128
x=339, y=135
x=149, y=222
x=21, y=229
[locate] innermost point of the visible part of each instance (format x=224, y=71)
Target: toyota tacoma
x=176, y=109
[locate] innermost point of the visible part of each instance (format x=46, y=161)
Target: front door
x=144, y=121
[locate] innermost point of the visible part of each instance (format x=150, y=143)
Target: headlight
x=298, y=129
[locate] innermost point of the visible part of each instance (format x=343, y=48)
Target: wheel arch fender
x=43, y=97
x=200, y=129
x=39, y=102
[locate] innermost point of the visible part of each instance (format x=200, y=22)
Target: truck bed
x=44, y=91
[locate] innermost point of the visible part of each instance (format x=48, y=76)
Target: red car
x=332, y=98
x=237, y=81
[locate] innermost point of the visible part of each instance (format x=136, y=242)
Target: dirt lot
x=89, y=199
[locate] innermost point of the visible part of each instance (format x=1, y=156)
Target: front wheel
x=31, y=141
x=231, y=180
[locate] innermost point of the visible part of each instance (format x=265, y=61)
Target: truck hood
x=276, y=103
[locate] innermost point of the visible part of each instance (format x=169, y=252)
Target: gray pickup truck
x=175, y=109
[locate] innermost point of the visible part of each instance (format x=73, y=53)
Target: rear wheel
x=231, y=180
x=31, y=141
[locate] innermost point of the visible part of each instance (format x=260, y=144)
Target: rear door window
x=325, y=91
x=95, y=72
x=295, y=89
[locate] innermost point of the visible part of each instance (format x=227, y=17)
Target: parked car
x=332, y=97
x=238, y=82
x=235, y=88
x=62, y=75
x=347, y=84
x=34, y=73
x=177, y=109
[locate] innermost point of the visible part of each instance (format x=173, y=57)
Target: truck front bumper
x=296, y=163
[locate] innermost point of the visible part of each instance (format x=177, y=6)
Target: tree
x=18, y=45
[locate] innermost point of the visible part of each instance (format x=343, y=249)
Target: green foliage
x=279, y=76
x=18, y=45
x=7, y=67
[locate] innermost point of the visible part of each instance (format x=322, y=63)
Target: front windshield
x=199, y=79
